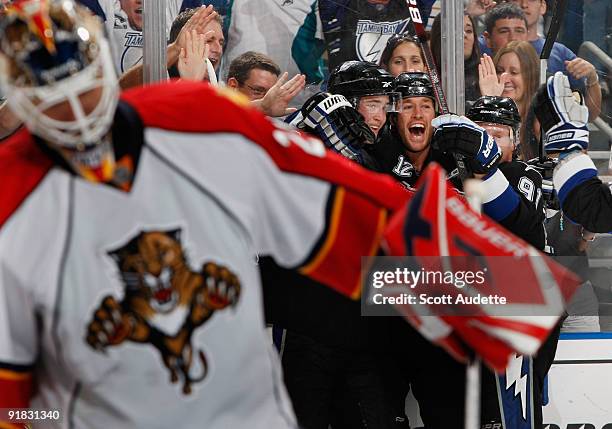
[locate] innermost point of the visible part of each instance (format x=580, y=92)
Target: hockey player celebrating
x=369, y=89
x=563, y=117
x=500, y=117
x=129, y=228
x=350, y=116
x=340, y=377
x=511, y=198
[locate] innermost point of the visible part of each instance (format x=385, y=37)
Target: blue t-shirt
x=556, y=62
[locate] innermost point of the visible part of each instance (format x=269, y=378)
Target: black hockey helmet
x=496, y=110
x=414, y=84
x=356, y=79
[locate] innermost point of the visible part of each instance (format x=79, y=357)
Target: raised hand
x=277, y=99
x=192, y=59
x=479, y=7
x=458, y=134
x=580, y=68
x=488, y=81
x=336, y=122
x=197, y=22
x=562, y=115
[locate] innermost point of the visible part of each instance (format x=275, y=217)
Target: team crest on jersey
x=121, y=23
x=372, y=37
x=164, y=302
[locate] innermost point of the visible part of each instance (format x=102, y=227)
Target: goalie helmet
x=356, y=79
x=53, y=56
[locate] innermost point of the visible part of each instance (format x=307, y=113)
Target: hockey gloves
x=334, y=120
x=457, y=134
x=562, y=116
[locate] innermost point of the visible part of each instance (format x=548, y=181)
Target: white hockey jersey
x=289, y=31
x=143, y=309
x=127, y=42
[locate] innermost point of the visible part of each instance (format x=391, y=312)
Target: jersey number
x=528, y=188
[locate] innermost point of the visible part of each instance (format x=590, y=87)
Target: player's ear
x=233, y=83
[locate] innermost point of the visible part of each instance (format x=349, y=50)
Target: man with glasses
x=253, y=74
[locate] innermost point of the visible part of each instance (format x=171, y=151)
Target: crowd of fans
x=380, y=110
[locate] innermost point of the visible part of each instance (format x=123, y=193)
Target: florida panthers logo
x=165, y=301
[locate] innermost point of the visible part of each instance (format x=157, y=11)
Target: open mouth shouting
x=416, y=131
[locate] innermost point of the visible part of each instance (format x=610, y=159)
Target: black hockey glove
x=336, y=122
x=457, y=134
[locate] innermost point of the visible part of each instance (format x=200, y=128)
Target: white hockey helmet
x=54, y=51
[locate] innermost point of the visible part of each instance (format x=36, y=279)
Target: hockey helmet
x=495, y=110
x=356, y=79
x=54, y=52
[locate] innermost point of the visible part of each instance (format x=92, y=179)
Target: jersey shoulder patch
x=23, y=165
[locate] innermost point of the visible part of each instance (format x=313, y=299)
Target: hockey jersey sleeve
x=22, y=167
x=514, y=199
x=583, y=197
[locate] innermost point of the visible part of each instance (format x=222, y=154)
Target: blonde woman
x=513, y=72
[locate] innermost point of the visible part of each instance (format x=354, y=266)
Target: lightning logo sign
x=372, y=38
x=514, y=377
x=515, y=389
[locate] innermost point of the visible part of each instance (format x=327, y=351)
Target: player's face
x=258, y=84
x=63, y=111
x=468, y=37
x=414, y=123
x=133, y=10
x=215, y=43
x=503, y=138
x=506, y=30
x=406, y=57
x=533, y=9
x=515, y=87
x=374, y=110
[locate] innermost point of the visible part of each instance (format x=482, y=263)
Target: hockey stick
x=551, y=37
x=416, y=28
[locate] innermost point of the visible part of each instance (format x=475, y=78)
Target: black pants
x=344, y=388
